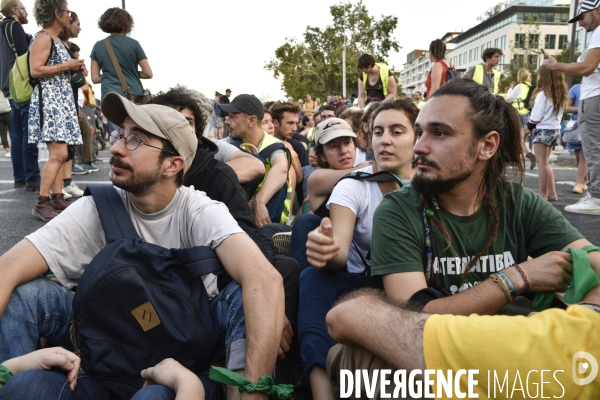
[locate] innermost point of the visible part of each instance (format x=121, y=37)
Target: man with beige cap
x=154, y=149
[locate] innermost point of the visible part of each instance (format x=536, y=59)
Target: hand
x=75, y=64
x=46, y=359
x=549, y=273
x=320, y=246
x=261, y=214
x=513, y=84
x=176, y=377
x=286, y=339
x=550, y=62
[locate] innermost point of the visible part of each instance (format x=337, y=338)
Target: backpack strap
x=266, y=152
x=117, y=67
x=10, y=39
x=199, y=260
x=114, y=217
x=381, y=176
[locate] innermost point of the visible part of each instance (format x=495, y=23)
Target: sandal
x=577, y=191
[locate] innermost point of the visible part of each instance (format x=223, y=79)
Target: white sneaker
x=66, y=195
x=587, y=205
x=7, y=155
x=282, y=242
x=73, y=190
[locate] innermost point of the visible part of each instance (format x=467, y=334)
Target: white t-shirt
x=590, y=85
x=543, y=114
x=362, y=198
x=361, y=156
x=70, y=241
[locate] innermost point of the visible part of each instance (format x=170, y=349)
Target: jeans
x=302, y=227
x=275, y=205
x=589, y=120
x=43, y=308
x=319, y=289
x=24, y=155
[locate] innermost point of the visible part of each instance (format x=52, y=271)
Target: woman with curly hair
x=549, y=101
x=118, y=23
x=52, y=112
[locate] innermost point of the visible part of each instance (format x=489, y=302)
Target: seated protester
x=354, y=117
x=378, y=335
x=271, y=202
x=246, y=166
x=267, y=123
x=219, y=182
x=154, y=149
x=306, y=171
x=480, y=222
x=307, y=124
x=338, y=249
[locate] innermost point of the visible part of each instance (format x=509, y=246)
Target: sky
x=215, y=45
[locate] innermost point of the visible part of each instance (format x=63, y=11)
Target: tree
x=563, y=57
x=525, y=51
x=490, y=12
x=315, y=64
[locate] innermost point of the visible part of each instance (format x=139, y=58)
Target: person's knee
x=59, y=153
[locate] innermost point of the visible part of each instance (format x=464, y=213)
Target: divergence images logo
x=581, y=367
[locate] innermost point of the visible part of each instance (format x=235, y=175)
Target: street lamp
x=411, y=88
x=123, y=4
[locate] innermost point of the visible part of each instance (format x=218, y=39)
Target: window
x=563, y=41
x=471, y=55
x=503, y=42
x=482, y=49
x=579, y=40
x=550, y=42
x=534, y=41
x=489, y=44
x=588, y=37
x=520, y=39
x=532, y=59
x=476, y=54
x=496, y=42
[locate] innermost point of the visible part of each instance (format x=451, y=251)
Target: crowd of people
x=390, y=233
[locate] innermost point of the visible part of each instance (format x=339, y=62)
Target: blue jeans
x=302, y=227
x=319, y=289
x=276, y=204
x=43, y=308
x=24, y=155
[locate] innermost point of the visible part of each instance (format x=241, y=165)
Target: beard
x=136, y=185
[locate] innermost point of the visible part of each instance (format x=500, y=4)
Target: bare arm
x=391, y=89
x=38, y=56
x=263, y=299
x=361, y=93
x=146, y=72
x=95, y=70
x=19, y=265
x=436, y=77
x=246, y=166
x=274, y=180
x=569, y=108
x=584, y=68
x=329, y=245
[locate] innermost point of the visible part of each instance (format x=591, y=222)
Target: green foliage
x=563, y=57
x=490, y=12
x=315, y=64
x=526, y=54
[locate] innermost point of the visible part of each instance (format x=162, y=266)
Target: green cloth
x=5, y=374
x=266, y=384
x=529, y=225
x=583, y=279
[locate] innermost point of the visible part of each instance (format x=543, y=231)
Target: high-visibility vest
x=478, y=76
x=519, y=104
x=421, y=104
x=384, y=74
x=267, y=141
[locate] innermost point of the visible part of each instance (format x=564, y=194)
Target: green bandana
x=583, y=279
x=5, y=374
x=266, y=384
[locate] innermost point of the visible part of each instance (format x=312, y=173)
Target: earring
x=165, y=174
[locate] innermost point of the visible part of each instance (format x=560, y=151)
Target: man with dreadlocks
x=464, y=228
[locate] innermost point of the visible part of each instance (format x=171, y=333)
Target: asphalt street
x=16, y=220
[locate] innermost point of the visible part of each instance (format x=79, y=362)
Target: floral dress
x=52, y=111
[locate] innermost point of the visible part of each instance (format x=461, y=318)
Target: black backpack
x=451, y=74
x=527, y=100
x=138, y=303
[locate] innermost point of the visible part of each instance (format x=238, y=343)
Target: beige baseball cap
x=164, y=122
x=332, y=128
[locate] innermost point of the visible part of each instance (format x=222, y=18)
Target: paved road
x=16, y=220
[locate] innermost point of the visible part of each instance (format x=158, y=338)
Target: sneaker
x=587, y=205
x=73, y=190
x=43, y=209
x=282, y=242
x=66, y=195
x=7, y=155
x=33, y=187
x=532, y=160
x=77, y=169
x=19, y=184
x=98, y=160
x=91, y=167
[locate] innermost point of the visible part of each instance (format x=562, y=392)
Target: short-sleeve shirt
x=70, y=241
x=529, y=226
x=226, y=150
x=590, y=85
x=575, y=94
x=129, y=52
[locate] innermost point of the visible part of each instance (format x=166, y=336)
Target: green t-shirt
x=529, y=225
x=129, y=53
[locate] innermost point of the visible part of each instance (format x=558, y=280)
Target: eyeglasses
x=132, y=142
x=65, y=10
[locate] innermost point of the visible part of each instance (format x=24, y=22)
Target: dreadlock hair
x=488, y=112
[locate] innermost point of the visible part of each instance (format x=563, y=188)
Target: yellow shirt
x=518, y=349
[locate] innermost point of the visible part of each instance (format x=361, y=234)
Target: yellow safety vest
x=519, y=104
x=287, y=204
x=421, y=104
x=384, y=74
x=478, y=77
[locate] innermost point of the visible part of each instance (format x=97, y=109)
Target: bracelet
x=496, y=278
x=509, y=284
x=518, y=267
x=60, y=70
x=591, y=306
x=5, y=374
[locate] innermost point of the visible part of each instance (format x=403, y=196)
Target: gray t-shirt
x=70, y=241
x=226, y=150
x=488, y=79
x=129, y=53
